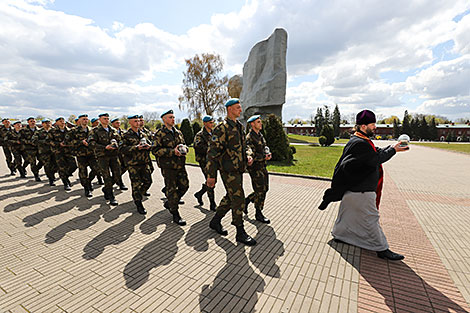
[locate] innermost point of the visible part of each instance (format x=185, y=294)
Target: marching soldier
x=13, y=139
x=149, y=134
x=116, y=123
x=63, y=152
x=42, y=139
x=228, y=153
x=78, y=138
x=257, y=170
x=169, y=149
x=104, y=140
x=95, y=122
x=201, y=145
x=30, y=150
x=136, y=148
x=4, y=129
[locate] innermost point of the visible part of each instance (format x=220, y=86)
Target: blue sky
x=68, y=57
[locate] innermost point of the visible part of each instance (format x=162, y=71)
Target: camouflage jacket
x=26, y=138
x=257, y=143
x=43, y=140
x=148, y=132
x=227, y=149
x=99, y=138
x=133, y=155
x=3, y=134
x=12, y=138
x=201, y=145
x=120, y=132
x=164, y=144
x=58, y=137
x=75, y=139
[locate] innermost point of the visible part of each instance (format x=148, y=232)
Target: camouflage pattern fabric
x=66, y=164
x=258, y=173
x=6, y=147
x=201, y=146
x=149, y=134
x=12, y=138
x=137, y=163
x=42, y=139
x=30, y=150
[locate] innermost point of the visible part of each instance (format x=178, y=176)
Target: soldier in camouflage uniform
x=104, y=140
x=116, y=123
x=95, y=122
x=42, y=139
x=149, y=134
x=172, y=164
x=201, y=145
x=228, y=153
x=6, y=127
x=257, y=170
x=12, y=138
x=63, y=152
x=78, y=138
x=30, y=150
x=136, y=147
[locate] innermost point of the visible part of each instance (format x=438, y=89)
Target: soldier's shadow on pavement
x=115, y=234
x=236, y=286
x=199, y=233
x=159, y=252
x=265, y=254
x=408, y=283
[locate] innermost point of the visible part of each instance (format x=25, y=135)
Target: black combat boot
x=112, y=200
x=36, y=177
x=146, y=193
x=243, y=237
x=88, y=192
x=200, y=193
x=13, y=172
x=216, y=225
x=22, y=172
x=260, y=217
x=177, y=218
x=68, y=182
x=66, y=185
x=213, y=206
x=51, y=181
x=100, y=180
x=122, y=186
x=140, y=207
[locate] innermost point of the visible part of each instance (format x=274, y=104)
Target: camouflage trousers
x=176, y=185
x=18, y=159
x=50, y=165
x=123, y=167
x=141, y=180
x=109, y=163
x=204, y=189
x=30, y=158
x=83, y=163
x=66, y=165
x=9, y=158
x=234, y=198
x=260, y=184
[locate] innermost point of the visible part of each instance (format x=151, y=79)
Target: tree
x=396, y=129
x=414, y=125
x=204, y=91
x=405, y=127
x=276, y=139
x=72, y=119
x=329, y=134
x=327, y=115
x=336, y=121
x=433, y=130
x=187, y=131
x=319, y=120
x=424, y=129
x=196, y=127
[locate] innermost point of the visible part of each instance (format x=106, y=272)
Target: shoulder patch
x=214, y=138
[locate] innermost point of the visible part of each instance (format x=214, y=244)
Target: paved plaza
x=62, y=252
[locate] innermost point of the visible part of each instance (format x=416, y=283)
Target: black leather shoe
x=323, y=205
x=123, y=187
x=177, y=218
x=88, y=193
x=100, y=181
x=12, y=172
x=66, y=185
x=113, y=201
x=217, y=226
x=181, y=202
x=198, y=196
x=147, y=194
x=140, y=207
x=51, y=182
x=243, y=237
x=389, y=255
x=261, y=218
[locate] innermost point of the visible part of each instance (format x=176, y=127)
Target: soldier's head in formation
x=94, y=122
x=46, y=124
x=6, y=122
x=104, y=119
x=255, y=123
x=31, y=122
x=208, y=122
x=83, y=120
x=168, y=118
x=134, y=121
x=17, y=125
x=60, y=122
x=116, y=123
x=234, y=108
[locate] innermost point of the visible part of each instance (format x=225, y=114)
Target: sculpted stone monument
x=265, y=76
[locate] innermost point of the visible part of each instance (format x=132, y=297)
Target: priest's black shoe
x=177, y=218
x=243, y=237
x=261, y=218
x=389, y=255
x=140, y=207
x=338, y=241
x=216, y=225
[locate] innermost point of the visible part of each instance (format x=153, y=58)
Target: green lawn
x=309, y=139
x=308, y=160
x=458, y=147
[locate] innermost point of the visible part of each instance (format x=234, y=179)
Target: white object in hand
x=183, y=149
x=404, y=140
x=143, y=141
x=267, y=151
x=114, y=143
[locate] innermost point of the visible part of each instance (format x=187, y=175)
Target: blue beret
x=167, y=112
x=83, y=115
x=141, y=116
x=130, y=117
x=207, y=118
x=253, y=118
x=94, y=119
x=76, y=120
x=45, y=121
x=59, y=118
x=103, y=114
x=115, y=119
x=30, y=118
x=16, y=122
x=5, y=119
x=231, y=102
